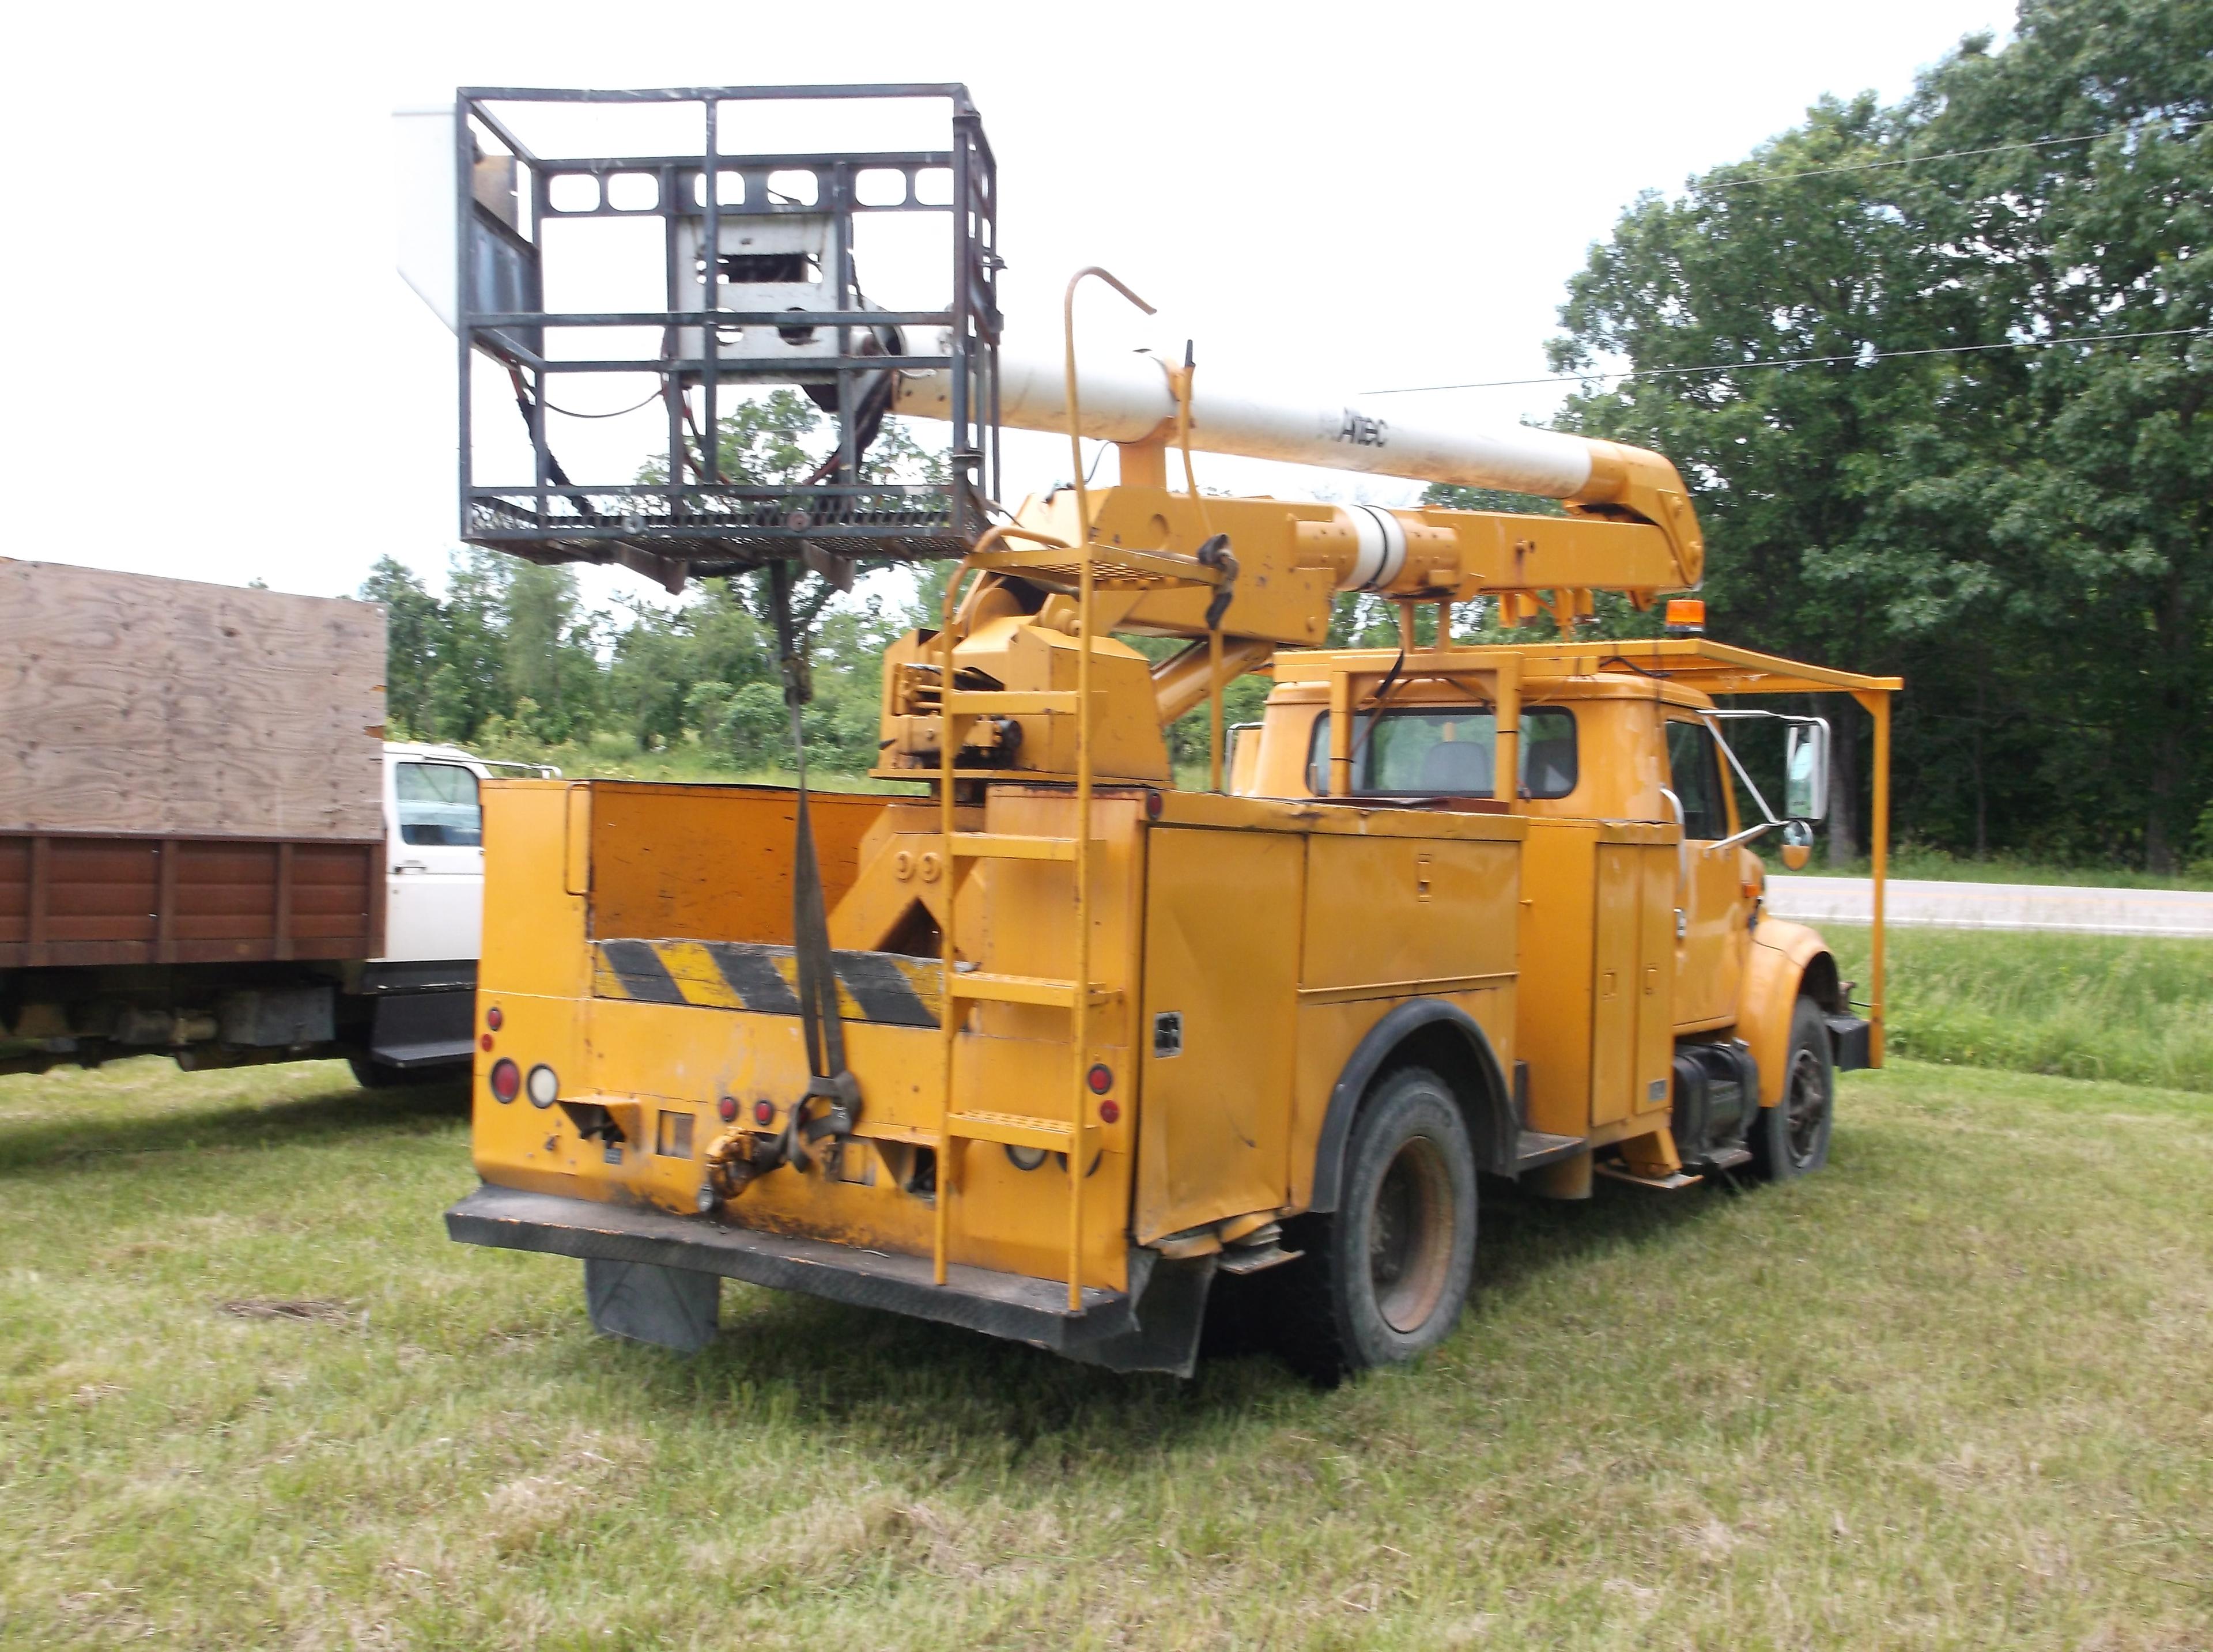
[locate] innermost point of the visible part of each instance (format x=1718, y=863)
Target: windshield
x=1449, y=752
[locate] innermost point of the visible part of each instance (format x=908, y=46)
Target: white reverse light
x=544, y=1085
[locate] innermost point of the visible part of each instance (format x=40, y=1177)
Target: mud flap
x=423, y=1029
x=672, y=1308
x=1170, y=1311
x=1850, y=1050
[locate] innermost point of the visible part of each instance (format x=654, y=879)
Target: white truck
x=207, y=848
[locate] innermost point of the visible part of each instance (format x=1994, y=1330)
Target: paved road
x=1922, y=903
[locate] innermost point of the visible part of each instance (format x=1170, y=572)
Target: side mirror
x=1805, y=772
x=1797, y=845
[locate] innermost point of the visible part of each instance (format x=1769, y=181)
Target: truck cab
x=1684, y=974
x=420, y=989
x=434, y=860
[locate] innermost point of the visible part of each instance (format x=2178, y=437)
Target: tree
x=410, y=630
x=2109, y=506
x=782, y=439
x=549, y=656
x=2022, y=532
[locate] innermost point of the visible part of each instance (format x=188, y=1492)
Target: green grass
x=2137, y=1010
x=1950, y=1394
x=1917, y=860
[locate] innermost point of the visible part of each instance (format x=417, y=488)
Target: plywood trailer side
x=155, y=707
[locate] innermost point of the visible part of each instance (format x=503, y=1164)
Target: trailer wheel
x=372, y=1075
x=1386, y=1273
x=1791, y=1139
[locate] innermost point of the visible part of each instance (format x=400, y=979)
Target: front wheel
x=1386, y=1272
x=1791, y=1139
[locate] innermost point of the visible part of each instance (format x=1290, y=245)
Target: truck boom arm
x=1131, y=401
x=1628, y=527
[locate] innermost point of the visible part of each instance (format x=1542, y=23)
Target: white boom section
x=1127, y=399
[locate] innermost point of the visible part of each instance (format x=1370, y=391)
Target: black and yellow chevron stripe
x=872, y=986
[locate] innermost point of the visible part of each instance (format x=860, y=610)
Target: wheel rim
x=1409, y=1233
x=1805, y=1107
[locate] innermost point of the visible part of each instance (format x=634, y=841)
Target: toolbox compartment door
x=1218, y=1036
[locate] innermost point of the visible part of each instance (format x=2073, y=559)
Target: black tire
x=372, y=1075
x=1385, y=1275
x=1791, y=1139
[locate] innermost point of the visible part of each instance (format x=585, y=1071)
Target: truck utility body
x=1596, y=991
x=1225, y=1008
x=208, y=850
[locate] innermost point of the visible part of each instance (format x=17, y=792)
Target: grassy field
x=2083, y=1006
x=1951, y=1393
x=1915, y=861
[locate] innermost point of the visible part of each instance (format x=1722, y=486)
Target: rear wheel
x=1791, y=1139
x=1385, y=1275
x=372, y=1075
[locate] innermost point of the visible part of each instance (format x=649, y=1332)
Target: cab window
x=1695, y=766
x=1449, y=752
x=438, y=804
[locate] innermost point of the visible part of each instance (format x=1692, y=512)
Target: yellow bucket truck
x=1048, y=1047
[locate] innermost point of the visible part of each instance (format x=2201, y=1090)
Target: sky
x=216, y=373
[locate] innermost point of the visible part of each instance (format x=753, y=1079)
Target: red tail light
x=506, y=1080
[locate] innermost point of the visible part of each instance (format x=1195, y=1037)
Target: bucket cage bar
x=760, y=288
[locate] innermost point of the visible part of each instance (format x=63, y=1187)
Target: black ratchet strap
x=830, y=1080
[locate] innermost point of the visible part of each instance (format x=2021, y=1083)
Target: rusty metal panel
x=227, y=892
x=330, y=899
x=15, y=890
x=100, y=890
x=69, y=900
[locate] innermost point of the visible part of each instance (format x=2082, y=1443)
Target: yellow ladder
x=1083, y=569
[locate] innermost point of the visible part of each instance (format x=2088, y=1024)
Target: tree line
x=1968, y=488
x=1989, y=468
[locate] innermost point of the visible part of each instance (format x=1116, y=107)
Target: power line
x=1945, y=155
x=1792, y=361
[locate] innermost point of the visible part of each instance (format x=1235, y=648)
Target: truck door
x=434, y=847
x=1709, y=944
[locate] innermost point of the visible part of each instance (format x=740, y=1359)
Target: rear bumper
x=1009, y=1305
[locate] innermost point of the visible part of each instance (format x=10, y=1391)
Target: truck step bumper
x=1009, y=1305
x=423, y=1029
